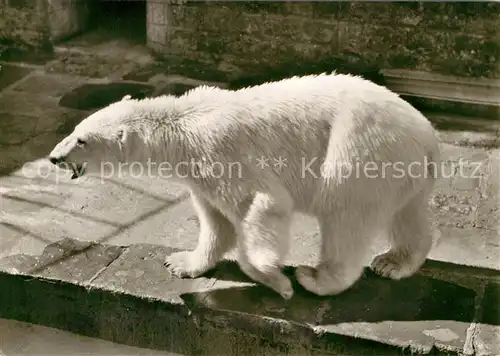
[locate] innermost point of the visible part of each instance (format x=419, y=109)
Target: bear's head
x=99, y=138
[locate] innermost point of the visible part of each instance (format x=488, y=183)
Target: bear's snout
x=57, y=160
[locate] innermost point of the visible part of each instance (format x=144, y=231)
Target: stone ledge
x=480, y=95
x=124, y=294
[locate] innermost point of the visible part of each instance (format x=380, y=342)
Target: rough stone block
x=384, y=13
x=364, y=29
x=96, y=313
x=487, y=341
x=69, y=260
x=24, y=25
x=140, y=271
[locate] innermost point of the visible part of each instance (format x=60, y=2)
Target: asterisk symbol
x=262, y=162
x=280, y=162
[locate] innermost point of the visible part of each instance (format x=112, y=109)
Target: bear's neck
x=167, y=155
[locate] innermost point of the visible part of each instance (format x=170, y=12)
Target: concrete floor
x=24, y=339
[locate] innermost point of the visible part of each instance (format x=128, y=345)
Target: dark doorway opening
x=120, y=19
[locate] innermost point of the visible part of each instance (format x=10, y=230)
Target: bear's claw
x=392, y=265
x=186, y=264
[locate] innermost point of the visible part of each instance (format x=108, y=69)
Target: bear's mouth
x=78, y=170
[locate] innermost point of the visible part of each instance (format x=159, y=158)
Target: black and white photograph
x=240, y=178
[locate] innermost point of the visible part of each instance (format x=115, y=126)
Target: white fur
x=335, y=119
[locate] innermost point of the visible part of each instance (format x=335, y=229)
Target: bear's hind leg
x=217, y=236
x=263, y=242
x=411, y=239
x=343, y=247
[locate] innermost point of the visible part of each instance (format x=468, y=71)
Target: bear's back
x=315, y=100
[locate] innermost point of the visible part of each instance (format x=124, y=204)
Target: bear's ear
x=127, y=97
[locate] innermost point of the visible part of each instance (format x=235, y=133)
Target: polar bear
x=340, y=148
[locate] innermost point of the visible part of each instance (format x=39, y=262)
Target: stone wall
x=23, y=24
x=460, y=39
x=37, y=24
x=67, y=17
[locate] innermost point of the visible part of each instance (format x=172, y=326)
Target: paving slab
x=24, y=339
x=125, y=294
x=42, y=203
x=10, y=74
x=488, y=211
x=468, y=246
x=86, y=64
x=27, y=148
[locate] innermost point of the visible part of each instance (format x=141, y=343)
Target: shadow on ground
x=371, y=299
x=96, y=96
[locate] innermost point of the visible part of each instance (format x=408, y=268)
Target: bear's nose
x=55, y=160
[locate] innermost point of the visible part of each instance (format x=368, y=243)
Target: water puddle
x=96, y=96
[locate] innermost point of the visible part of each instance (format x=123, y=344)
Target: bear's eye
x=80, y=142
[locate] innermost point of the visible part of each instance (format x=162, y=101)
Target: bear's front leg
x=263, y=241
x=217, y=236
